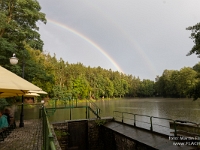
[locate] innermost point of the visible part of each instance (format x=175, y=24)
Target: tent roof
x=12, y=83
x=31, y=94
x=38, y=92
x=4, y=95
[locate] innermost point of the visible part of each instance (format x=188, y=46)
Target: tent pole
x=21, y=124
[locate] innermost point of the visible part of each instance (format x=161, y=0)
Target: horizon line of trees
x=64, y=80
x=19, y=35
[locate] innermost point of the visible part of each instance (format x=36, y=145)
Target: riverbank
x=52, y=102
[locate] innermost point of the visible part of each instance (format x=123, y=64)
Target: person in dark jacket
x=7, y=113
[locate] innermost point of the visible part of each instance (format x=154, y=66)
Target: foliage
x=186, y=81
x=100, y=122
x=134, y=83
x=17, y=28
x=195, y=36
x=146, y=88
x=19, y=35
x=3, y=103
x=39, y=69
x=63, y=81
x=194, y=91
x=175, y=83
x=60, y=133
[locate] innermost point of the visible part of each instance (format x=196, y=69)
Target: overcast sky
x=138, y=37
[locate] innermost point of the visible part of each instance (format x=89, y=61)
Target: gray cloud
x=143, y=37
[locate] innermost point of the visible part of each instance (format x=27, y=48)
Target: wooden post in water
x=134, y=120
x=122, y=117
x=175, y=133
x=151, y=128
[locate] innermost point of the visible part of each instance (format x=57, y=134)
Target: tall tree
x=146, y=88
x=195, y=36
x=39, y=69
x=18, y=28
x=186, y=80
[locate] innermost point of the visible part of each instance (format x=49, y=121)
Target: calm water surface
x=177, y=109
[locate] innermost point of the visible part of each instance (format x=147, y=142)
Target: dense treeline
x=174, y=83
x=62, y=79
x=19, y=35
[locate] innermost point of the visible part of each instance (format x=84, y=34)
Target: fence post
x=98, y=111
x=134, y=120
x=51, y=146
x=151, y=128
x=43, y=127
x=46, y=138
x=122, y=117
x=70, y=113
x=86, y=113
x=175, y=132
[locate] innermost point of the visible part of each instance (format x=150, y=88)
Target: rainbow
x=87, y=40
x=133, y=42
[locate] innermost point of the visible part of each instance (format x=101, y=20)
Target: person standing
x=7, y=114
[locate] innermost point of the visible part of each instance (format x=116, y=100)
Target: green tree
x=196, y=67
x=194, y=91
x=80, y=88
x=18, y=28
x=146, y=88
x=109, y=88
x=39, y=70
x=134, y=84
x=164, y=82
x=186, y=81
x=174, y=84
x=195, y=36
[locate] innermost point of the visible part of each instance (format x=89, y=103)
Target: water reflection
x=177, y=109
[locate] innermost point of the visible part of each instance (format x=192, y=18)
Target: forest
x=19, y=35
x=62, y=79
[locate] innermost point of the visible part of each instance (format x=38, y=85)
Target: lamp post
x=14, y=61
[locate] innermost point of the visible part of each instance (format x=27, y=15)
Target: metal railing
x=70, y=103
x=48, y=139
x=94, y=108
x=144, y=119
x=44, y=113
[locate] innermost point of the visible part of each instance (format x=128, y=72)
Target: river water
x=177, y=109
